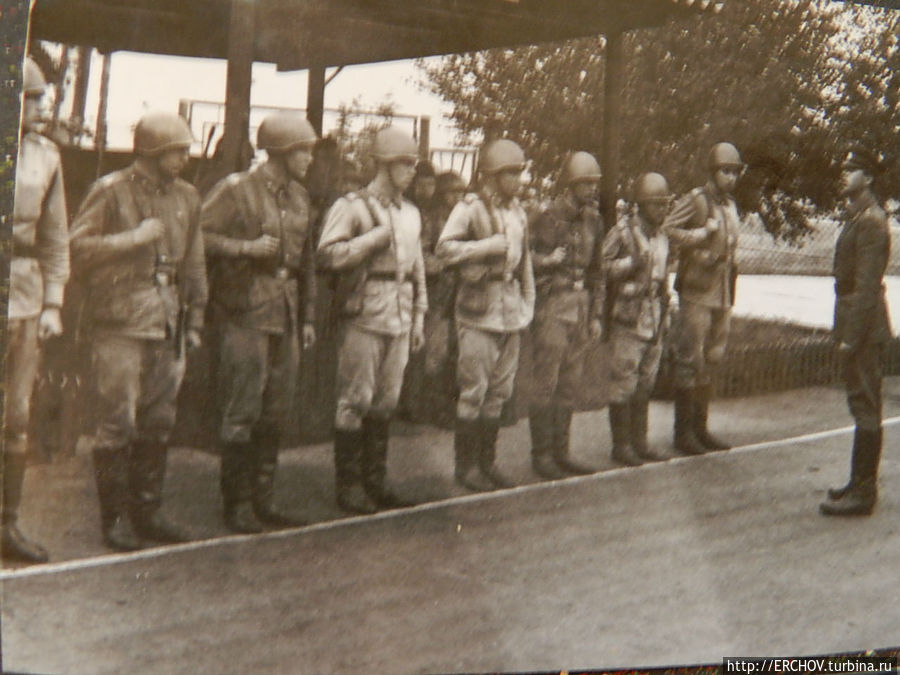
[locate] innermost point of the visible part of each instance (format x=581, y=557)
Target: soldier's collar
x=272, y=178
x=866, y=200
x=383, y=199
x=493, y=198
x=149, y=181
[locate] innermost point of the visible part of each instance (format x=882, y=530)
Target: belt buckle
x=163, y=279
x=507, y=276
x=578, y=285
x=282, y=273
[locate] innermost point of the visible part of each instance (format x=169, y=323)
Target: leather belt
x=386, y=276
x=282, y=273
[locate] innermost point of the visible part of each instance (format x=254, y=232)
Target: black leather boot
x=466, y=447
x=702, y=395
x=348, y=448
x=267, y=442
x=837, y=493
x=111, y=476
x=640, y=406
x=620, y=429
x=487, y=457
x=146, y=476
x=860, y=499
x=13, y=544
x=376, y=433
x=540, y=421
x=562, y=423
x=686, y=442
x=237, y=488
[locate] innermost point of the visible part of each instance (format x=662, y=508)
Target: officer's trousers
x=702, y=336
x=486, y=372
x=862, y=378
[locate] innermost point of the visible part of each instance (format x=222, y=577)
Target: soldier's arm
x=216, y=217
x=456, y=244
x=682, y=225
x=542, y=247
x=196, y=290
x=872, y=251
x=309, y=278
x=52, y=240
x=421, y=299
x=615, y=256
x=528, y=291
x=89, y=246
x=340, y=248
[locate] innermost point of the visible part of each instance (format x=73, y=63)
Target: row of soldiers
x=151, y=255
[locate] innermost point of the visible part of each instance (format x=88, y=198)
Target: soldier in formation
x=258, y=235
x=138, y=249
x=565, y=242
x=39, y=268
x=486, y=240
x=635, y=263
x=703, y=229
x=861, y=328
x=372, y=239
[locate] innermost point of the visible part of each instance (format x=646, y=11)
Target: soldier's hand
x=595, y=329
x=309, y=336
x=496, y=245
x=712, y=226
x=265, y=246
x=558, y=256
x=50, y=323
x=148, y=230
x=418, y=338
x=193, y=339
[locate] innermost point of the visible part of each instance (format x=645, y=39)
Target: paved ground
x=680, y=562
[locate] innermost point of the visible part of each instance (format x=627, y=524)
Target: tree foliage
x=779, y=78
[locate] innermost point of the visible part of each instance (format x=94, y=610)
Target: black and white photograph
x=418, y=337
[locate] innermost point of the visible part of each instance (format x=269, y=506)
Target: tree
x=763, y=74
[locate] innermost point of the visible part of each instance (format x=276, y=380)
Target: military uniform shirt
x=39, y=267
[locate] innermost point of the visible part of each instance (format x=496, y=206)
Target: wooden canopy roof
x=297, y=34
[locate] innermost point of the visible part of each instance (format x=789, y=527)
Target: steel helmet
x=393, y=144
x=157, y=132
x=501, y=155
x=33, y=81
x=724, y=154
x=285, y=131
x=580, y=166
x=651, y=187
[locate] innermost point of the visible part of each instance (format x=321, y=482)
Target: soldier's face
x=854, y=181
x=655, y=212
x=584, y=191
x=172, y=162
x=509, y=183
x=297, y=161
x=726, y=178
x=402, y=172
x=425, y=186
x=31, y=111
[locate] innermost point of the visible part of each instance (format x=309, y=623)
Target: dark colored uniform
x=564, y=308
x=256, y=305
x=135, y=295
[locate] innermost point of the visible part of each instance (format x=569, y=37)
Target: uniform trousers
x=700, y=342
x=635, y=364
x=486, y=371
x=862, y=378
x=560, y=349
x=22, y=361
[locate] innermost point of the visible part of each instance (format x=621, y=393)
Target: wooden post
x=424, y=136
x=79, y=94
x=100, y=137
x=612, y=124
x=241, y=33
x=315, y=97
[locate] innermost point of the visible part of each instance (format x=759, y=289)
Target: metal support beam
x=315, y=97
x=424, y=136
x=238, y=82
x=612, y=124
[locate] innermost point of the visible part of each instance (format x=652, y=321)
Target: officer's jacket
x=860, y=259
x=390, y=293
x=495, y=293
x=639, y=292
x=134, y=291
x=261, y=294
x=703, y=228
x=563, y=288
x=39, y=267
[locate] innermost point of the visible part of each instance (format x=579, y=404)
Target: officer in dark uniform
x=39, y=268
x=138, y=250
x=861, y=328
x=703, y=229
x=258, y=234
x=564, y=244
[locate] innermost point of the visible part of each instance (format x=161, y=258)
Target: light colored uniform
x=494, y=302
x=639, y=308
x=387, y=299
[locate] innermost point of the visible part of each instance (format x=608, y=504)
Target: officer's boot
x=267, y=442
x=487, y=457
x=147, y=472
x=13, y=544
x=376, y=433
x=620, y=429
x=640, y=406
x=860, y=499
x=702, y=395
x=562, y=423
x=837, y=493
x=466, y=446
x=111, y=476
x=237, y=488
x=686, y=442
x=351, y=496
x=540, y=421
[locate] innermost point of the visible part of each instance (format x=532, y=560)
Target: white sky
x=140, y=82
